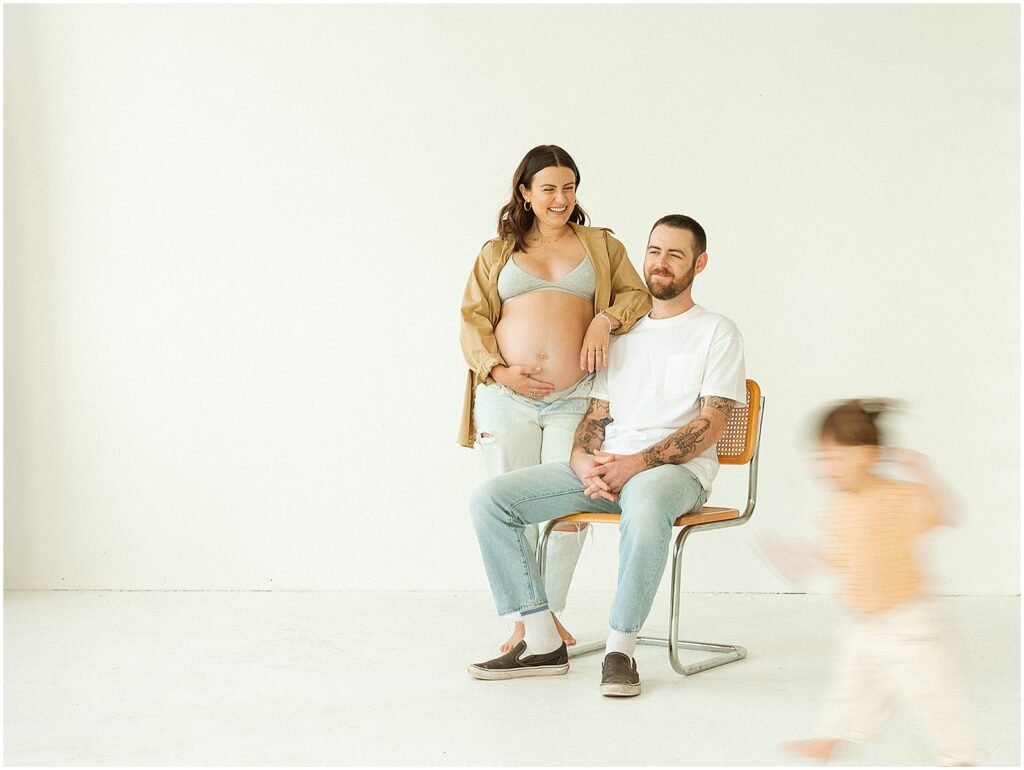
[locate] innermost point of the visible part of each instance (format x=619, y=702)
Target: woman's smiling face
x=551, y=195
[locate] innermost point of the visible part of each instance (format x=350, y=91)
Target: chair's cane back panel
x=736, y=444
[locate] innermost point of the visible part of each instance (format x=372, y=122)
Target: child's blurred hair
x=853, y=423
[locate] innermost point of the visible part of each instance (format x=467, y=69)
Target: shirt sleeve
x=725, y=370
x=479, y=346
x=630, y=300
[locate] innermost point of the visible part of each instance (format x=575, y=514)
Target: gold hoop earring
x=526, y=205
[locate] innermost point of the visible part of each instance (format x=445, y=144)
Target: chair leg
x=542, y=547
x=586, y=649
x=728, y=653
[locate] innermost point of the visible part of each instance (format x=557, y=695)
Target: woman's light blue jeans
x=503, y=507
x=516, y=432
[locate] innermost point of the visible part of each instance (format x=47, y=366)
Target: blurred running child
x=898, y=641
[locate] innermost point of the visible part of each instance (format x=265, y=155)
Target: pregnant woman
x=539, y=306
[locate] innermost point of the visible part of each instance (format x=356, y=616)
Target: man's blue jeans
x=502, y=507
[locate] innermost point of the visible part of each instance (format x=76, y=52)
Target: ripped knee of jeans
x=571, y=526
x=576, y=529
x=486, y=438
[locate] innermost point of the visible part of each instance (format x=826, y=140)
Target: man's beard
x=674, y=288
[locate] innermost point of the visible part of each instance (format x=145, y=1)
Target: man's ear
x=701, y=263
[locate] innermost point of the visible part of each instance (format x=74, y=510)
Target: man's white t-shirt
x=658, y=371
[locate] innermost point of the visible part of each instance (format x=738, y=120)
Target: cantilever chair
x=739, y=445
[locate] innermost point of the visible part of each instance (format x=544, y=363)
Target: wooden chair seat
x=705, y=515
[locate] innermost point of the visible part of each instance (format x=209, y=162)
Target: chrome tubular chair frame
x=726, y=653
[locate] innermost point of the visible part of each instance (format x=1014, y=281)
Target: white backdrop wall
x=236, y=238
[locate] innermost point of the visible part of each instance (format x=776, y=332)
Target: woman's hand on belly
x=522, y=380
x=546, y=330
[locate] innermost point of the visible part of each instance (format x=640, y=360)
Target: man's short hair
x=683, y=222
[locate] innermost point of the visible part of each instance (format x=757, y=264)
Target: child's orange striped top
x=872, y=546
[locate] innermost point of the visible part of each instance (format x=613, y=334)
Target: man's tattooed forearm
x=590, y=431
x=596, y=406
x=723, y=405
x=590, y=434
x=679, y=447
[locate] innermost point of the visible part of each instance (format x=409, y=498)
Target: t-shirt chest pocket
x=683, y=373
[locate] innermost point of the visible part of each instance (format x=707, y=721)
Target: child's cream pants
x=909, y=652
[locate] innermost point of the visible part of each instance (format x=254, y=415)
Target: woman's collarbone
x=549, y=267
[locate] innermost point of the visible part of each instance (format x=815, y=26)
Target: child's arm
x=939, y=495
x=793, y=560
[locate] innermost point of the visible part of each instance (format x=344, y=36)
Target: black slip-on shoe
x=619, y=676
x=512, y=666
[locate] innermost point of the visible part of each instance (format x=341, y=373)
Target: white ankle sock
x=620, y=642
x=541, y=634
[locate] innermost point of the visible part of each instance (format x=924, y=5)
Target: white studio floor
x=356, y=678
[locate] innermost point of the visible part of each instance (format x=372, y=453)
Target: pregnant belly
x=545, y=329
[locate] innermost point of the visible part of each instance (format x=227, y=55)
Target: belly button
x=543, y=356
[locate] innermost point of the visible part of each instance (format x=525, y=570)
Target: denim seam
x=531, y=498
x=522, y=553
x=648, y=580
x=531, y=588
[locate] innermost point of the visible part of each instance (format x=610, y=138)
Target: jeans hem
x=624, y=631
x=515, y=613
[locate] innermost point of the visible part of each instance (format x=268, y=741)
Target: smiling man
x=645, y=449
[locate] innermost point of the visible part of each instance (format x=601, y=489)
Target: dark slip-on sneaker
x=512, y=666
x=619, y=676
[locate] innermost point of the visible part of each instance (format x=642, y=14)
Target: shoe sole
x=620, y=690
x=518, y=673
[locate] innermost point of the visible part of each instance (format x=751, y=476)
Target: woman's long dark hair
x=514, y=220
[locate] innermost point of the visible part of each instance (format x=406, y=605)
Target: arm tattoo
x=723, y=405
x=691, y=439
x=590, y=432
x=680, y=446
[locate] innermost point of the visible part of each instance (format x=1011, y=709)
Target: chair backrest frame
x=745, y=421
x=752, y=475
x=737, y=444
